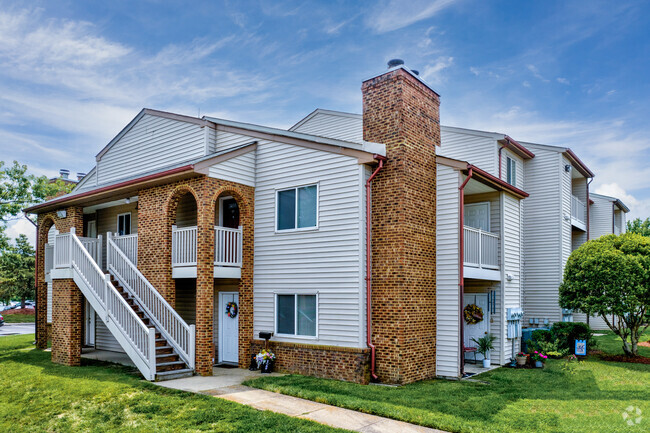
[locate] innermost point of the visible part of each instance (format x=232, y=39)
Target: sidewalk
x=226, y=384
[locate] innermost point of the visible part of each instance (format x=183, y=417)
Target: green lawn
x=38, y=396
x=612, y=344
x=18, y=318
x=590, y=398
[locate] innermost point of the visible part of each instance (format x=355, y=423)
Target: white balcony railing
x=94, y=247
x=578, y=210
x=128, y=244
x=49, y=258
x=481, y=249
x=227, y=246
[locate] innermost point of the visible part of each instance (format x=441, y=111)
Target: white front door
x=90, y=325
x=477, y=215
x=228, y=328
x=91, y=229
x=479, y=329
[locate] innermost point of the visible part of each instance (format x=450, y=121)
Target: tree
x=639, y=226
x=18, y=190
x=610, y=276
x=17, y=270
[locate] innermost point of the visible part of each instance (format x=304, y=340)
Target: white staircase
x=157, y=340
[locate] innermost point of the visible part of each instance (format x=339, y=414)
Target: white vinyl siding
x=447, y=272
x=240, y=169
x=348, y=127
x=104, y=340
x=543, y=222
x=512, y=234
x=87, y=183
x=479, y=150
x=152, y=143
x=327, y=260
x=600, y=217
x=49, y=301
x=228, y=140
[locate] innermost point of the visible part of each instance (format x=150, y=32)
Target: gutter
x=461, y=270
x=373, y=361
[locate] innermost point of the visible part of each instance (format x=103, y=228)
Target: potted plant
x=522, y=359
x=483, y=346
x=539, y=359
x=265, y=360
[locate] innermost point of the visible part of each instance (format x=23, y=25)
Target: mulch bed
x=22, y=311
x=645, y=343
x=620, y=358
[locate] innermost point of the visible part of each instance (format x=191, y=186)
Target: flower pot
x=521, y=360
x=266, y=367
x=539, y=364
x=486, y=363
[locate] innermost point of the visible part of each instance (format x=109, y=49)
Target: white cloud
x=432, y=72
x=21, y=226
x=396, y=14
x=562, y=80
x=536, y=73
x=526, y=84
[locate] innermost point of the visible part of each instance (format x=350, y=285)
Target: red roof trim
x=580, y=164
x=521, y=148
x=502, y=183
x=110, y=187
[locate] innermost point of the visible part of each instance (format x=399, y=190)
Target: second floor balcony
x=481, y=254
x=578, y=213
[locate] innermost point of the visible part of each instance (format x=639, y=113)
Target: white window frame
x=511, y=162
x=297, y=229
x=117, y=226
x=295, y=306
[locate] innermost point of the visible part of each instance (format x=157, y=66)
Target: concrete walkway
x=226, y=384
x=16, y=329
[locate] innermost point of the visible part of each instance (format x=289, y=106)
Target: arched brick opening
x=43, y=331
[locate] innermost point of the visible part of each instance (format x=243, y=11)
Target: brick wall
x=330, y=362
x=74, y=218
x=67, y=322
x=156, y=214
x=402, y=113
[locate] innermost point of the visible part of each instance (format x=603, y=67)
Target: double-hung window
x=296, y=315
x=511, y=171
x=124, y=224
x=297, y=208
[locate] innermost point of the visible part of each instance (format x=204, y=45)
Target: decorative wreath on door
x=473, y=314
x=231, y=310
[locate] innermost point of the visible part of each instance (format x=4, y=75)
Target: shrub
x=566, y=333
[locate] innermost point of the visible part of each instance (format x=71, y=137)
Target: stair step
x=165, y=357
x=174, y=374
x=161, y=348
x=170, y=366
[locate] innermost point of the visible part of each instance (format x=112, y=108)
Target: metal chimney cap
x=64, y=172
x=415, y=71
x=80, y=175
x=395, y=62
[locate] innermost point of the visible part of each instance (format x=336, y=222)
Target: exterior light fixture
x=567, y=168
x=127, y=200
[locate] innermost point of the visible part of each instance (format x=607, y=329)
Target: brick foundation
x=67, y=322
x=330, y=362
x=402, y=113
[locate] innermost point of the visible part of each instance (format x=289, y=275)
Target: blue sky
x=72, y=74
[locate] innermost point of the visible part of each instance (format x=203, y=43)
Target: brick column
x=402, y=112
x=245, y=200
x=67, y=323
x=204, y=282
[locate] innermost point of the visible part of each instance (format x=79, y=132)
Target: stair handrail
x=140, y=337
x=179, y=334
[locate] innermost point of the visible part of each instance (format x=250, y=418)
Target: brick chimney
x=402, y=111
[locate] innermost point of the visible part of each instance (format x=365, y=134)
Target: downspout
x=461, y=270
x=373, y=375
x=500, y=149
x=588, y=205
